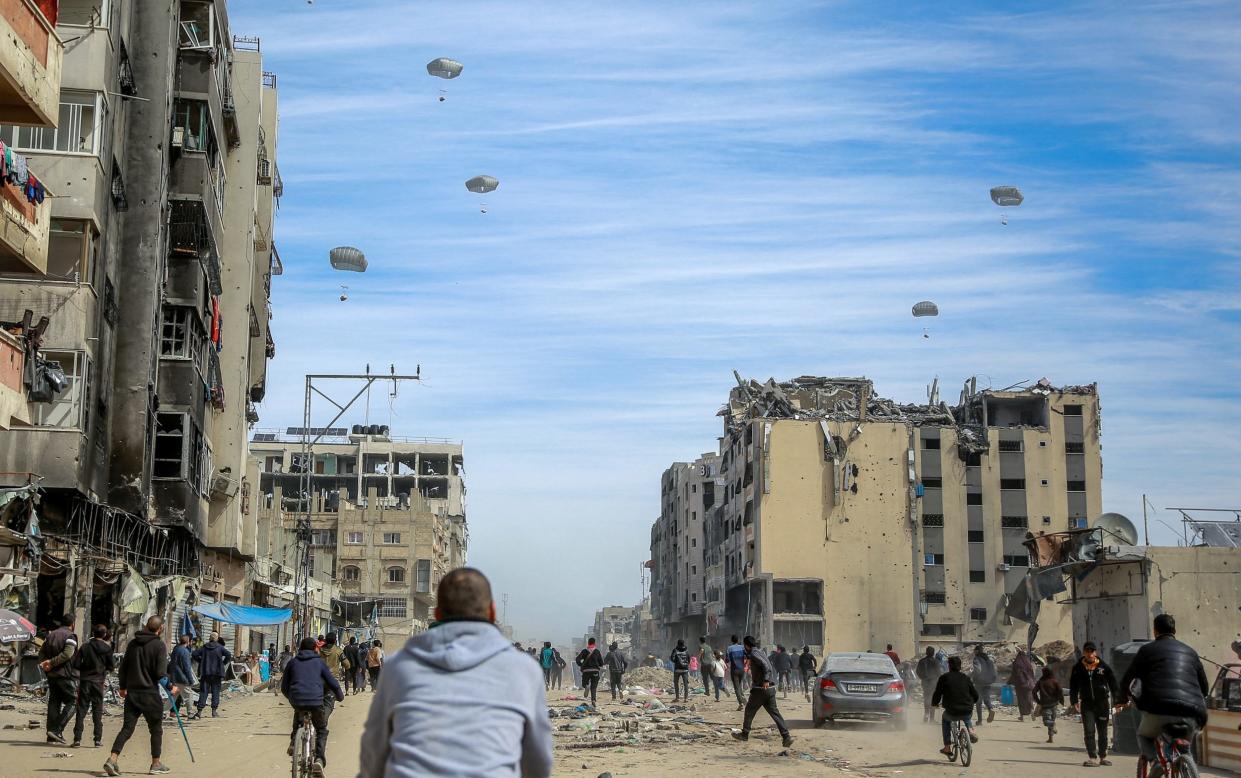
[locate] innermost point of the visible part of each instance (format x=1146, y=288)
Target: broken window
x=325, y=538
x=978, y=576
x=978, y=614
x=1017, y=411
x=67, y=410
x=973, y=459
x=1014, y=522
x=396, y=575
x=1075, y=448
x=930, y=444
x=70, y=250
x=422, y=571
x=934, y=598
x=83, y=13
x=973, y=498
x=975, y=536
x=352, y=573
x=1072, y=410
x=1077, y=486
x=1017, y=560
x=197, y=25
x=939, y=630
x=176, y=446
x=797, y=597
x=932, y=519
x=1012, y=483
x=182, y=335
x=933, y=483
x=1011, y=445
x=933, y=560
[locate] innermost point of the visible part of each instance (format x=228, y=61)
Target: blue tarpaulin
x=244, y=615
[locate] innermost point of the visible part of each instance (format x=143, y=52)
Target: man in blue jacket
x=180, y=671
x=213, y=660
x=735, y=655
x=306, y=683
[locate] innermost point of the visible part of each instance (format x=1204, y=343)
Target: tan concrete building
x=387, y=519
x=849, y=521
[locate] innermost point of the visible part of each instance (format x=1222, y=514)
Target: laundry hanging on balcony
x=14, y=170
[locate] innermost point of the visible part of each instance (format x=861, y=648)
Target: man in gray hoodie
x=458, y=699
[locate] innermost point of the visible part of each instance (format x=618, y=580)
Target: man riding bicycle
x=1168, y=685
x=305, y=683
x=956, y=693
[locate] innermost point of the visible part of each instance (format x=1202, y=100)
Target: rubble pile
x=650, y=678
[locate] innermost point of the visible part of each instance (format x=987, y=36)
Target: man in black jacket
x=351, y=657
x=1171, y=685
x=806, y=667
x=928, y=673
x=307, y=683
x=94, y=661
x=783, y=665
x=62, y=677
x=1092, y=687
x=762, y=693
x=145, y=664
x=956, y=693
x=590, y=661
x=213, y=661
x=617, y=665
x=680, y=670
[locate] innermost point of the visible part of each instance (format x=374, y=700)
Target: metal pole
x=1146, y=527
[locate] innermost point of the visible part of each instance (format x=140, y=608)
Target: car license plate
x=868, y=688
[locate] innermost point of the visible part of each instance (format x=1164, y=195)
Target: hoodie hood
x=305, y=656
x=457, y=645
x=142, y=637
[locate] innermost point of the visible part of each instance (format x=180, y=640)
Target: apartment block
x=679, y=551
x=848, y=521
x=387, y=518
x=151, y=304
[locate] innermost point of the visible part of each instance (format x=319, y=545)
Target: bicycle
x=1173, y=751
x=959, y=741
x=303, y=749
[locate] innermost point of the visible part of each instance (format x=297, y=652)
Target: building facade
x=679, y=551
x=387, y=519
x=155, y=293
x=848, y=521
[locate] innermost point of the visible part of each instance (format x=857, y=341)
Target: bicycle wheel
x=966, y=748
x=308, y=751
x=1185, y=767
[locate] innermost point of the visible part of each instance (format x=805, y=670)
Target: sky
x=691, y=188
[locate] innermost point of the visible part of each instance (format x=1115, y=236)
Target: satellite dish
x=1119, y=527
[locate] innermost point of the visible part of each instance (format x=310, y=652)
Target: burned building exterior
x=679, y=551
x=848, y=521
x=387, y=518
x=155, y=289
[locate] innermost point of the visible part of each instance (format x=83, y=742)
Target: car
x=859, y=686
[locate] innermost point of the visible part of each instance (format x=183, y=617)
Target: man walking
x=457, y=699
x=180, y=672
x=547, y=661
x=591, y=663
x=762, y=693
x=783, y=664
x=1092, y=687
x=928, y=673
x=890, y=653
x=350, y=665
x=558, y=669
x=213, y=659
x=145, y=664
x=680, y=670
x=94, y=663
x=62, y=678
x=310, y=687
x=617, y=665
x=808, y=666
x=706, y=666
x=735, y=654
x=984, y=676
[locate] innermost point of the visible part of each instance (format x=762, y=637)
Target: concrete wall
x=1198, y=586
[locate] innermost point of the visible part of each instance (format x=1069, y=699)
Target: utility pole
x=301, y=581
x=1146, y=527
x=504, y=613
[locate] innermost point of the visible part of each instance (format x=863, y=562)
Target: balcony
x=30, y=62
x=13, y=406
x=24, y=230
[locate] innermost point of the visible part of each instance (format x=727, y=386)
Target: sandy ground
x=249, y=740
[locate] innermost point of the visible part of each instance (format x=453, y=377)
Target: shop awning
x=244, y=615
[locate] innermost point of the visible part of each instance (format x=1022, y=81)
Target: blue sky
x=693, y=187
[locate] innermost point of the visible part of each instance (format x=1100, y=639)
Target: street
x=249, y=740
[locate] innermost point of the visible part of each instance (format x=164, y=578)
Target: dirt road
x=250, y=740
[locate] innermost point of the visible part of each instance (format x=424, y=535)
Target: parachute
x=482, y=184
x=1006, y=197
x=348, y=258
x=925, y=308
x=444, y=68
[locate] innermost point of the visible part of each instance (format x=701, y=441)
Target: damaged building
x=141, y=303
x=845, y=521
x=387, y=517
